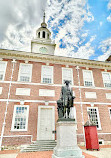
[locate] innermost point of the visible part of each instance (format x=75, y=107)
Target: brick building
x=30, y=85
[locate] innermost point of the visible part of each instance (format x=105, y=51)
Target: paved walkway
x=8, y=155
x=105, y=152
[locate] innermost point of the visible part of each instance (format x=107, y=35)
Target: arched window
x=39, y=35
x=48, y=35
x=43, y=34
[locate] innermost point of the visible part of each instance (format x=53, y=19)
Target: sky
x=80, y=28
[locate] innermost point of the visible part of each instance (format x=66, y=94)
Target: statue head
x=67, y=82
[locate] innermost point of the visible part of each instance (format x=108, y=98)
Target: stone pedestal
x=67, y=140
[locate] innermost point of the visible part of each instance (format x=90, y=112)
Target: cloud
x=109, y=4
x=109, y=18
x=68, y=17
x=109, y=8
x=105, y=47
x=20, y=15
x=65, y=18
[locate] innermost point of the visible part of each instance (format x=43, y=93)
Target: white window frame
x=51, y=67
x=13, y=120
x=4, y=69
x=20, y=72
x=109, y=112
x=64, y=68
x=91, y=77
x=103, y=78
x=97, y=116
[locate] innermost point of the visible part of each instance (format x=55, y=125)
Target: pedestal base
x=67, y=141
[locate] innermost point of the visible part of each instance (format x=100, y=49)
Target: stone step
x=40, y=146
x=47, y=145
x=37, y=150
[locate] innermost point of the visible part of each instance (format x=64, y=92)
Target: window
x=94, y=116
x=25, y=72
x=110, y=112
x=3, y=65
x=20, y=118
x=67, y=74
x=43, y=34
x=106, y=79
x=47, y=74
x=88, y=78
x=48, y=36
x=39, y=35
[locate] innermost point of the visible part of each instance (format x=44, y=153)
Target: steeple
x=43, y=24
x=42, y=42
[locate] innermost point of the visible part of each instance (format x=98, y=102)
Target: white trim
x=53, y=120
x=52, y=101
x=47, y=92
x=23, y=91
x=20, y=72
x=97, y=116
x=4, y=69
x=91, y=77
x=90, y=95
x=54, y=85
x=108, y=95
x=98, y=133
x=1, y=90
x=13, y=120
x=109, y=112
x=52, y=75
x=65, y=68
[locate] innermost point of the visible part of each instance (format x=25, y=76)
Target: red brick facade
x=34, y=100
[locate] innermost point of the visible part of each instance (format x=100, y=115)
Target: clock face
x=43, y=50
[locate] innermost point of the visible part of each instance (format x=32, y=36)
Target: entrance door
x=46, y=123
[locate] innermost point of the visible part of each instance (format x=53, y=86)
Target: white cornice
x=21, y=55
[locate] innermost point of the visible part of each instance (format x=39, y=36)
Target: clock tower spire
x=43, y=43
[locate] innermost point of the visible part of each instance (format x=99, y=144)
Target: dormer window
x=43, y=34
x=39, y=35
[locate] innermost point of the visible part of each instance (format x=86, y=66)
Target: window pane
x=67, y=74
x=88, y=80
x=25, y=72
x=2, y=70
x=93, y=116
x=47, y=74
x=107, y=79
x=20, y=118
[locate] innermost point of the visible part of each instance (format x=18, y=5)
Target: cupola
x=43, y=43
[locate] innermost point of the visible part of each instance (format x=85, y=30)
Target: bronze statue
x=66, y=100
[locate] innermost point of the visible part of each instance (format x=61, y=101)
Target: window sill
x=89, y=86
x=25, y=81
x=47, y=83
x=99, y=129
x=18, y=130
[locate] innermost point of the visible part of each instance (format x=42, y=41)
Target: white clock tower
x=42, y=43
